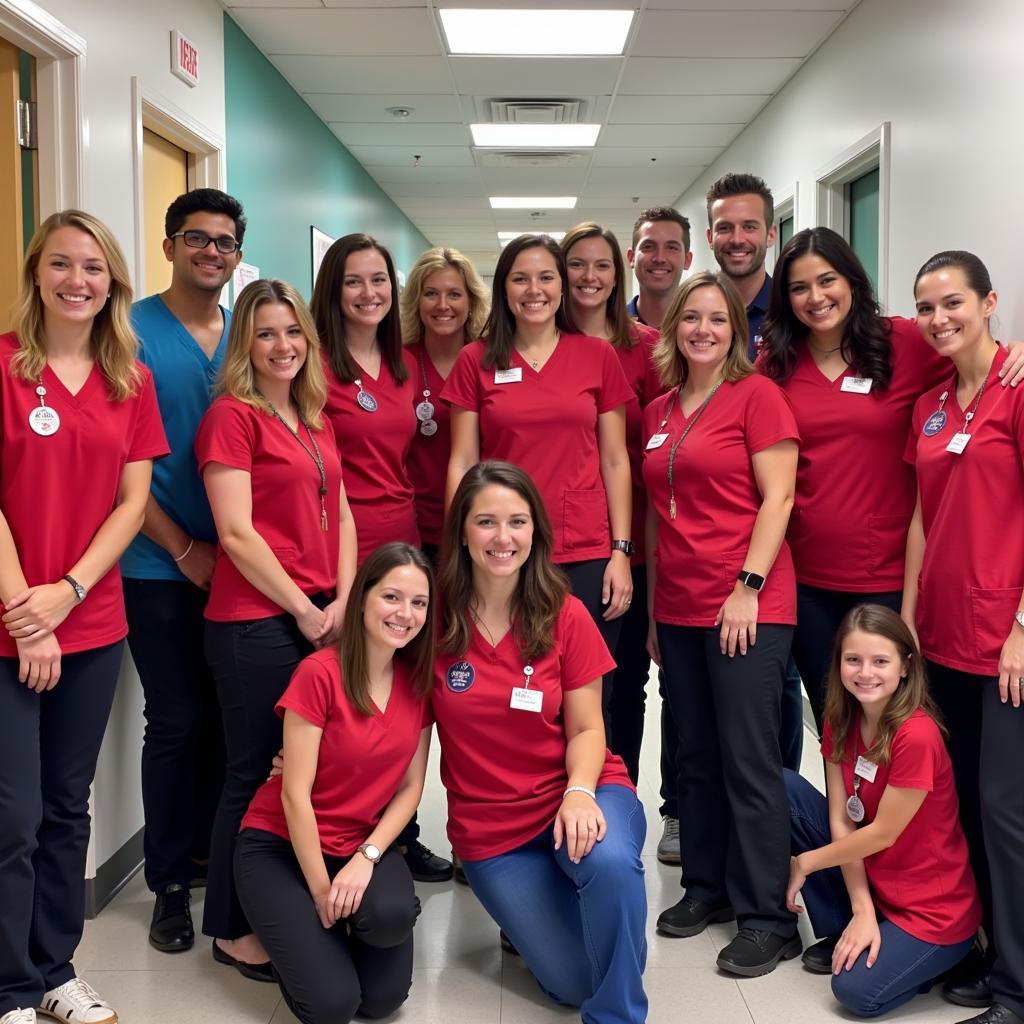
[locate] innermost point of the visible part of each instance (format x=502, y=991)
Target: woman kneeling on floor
x=904, y=908
x=326, y=893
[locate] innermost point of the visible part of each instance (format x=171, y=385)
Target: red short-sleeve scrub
x=374, y=449
x=545, y=421
x=504, y=768
x=286, y=510
x=57, y=490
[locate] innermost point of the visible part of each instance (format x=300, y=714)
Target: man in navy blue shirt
x=659, y=252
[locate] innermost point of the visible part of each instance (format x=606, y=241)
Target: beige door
x=164, y=178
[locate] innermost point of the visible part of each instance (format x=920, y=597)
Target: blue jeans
x=579, y=927
x=905, y=966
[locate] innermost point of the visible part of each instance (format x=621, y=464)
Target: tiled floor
x=461, y=976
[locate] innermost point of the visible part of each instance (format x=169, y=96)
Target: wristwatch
x=623, y=545
x=77, y=587
x=751, y=579
x=1019, y=618
x=370, y=852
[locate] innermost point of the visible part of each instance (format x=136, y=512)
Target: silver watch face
x=371, y=852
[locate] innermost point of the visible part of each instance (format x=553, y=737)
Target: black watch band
x=750, y=579
x=623, y=545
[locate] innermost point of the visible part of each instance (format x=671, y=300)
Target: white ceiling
x=689, y=81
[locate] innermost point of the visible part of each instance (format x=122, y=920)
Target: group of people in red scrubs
x=485, y=513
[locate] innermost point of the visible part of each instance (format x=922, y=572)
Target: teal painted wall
x=291, y=172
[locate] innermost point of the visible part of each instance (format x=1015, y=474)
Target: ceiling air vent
x=536, y=111
x=527, y=158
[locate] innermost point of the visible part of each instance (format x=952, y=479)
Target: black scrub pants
x=252, y=662
x=732, y=795
x=629, y=681
x=183, y=745
x=362, y=965
x=49, y=744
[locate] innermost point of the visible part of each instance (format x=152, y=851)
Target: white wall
x=127, y=38
x=947, y=76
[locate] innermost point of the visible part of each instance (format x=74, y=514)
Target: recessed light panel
x=535, y=136
x=536, y=33
x=533, y=202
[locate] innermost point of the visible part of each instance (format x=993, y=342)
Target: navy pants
x=49, y=745
x=183, y=745
x=906, y=966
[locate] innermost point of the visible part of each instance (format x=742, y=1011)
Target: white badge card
x=958, y=443
x=866, y=769
x=513, y=375
x=857, y=385
x=525, y=699
x=656, y=441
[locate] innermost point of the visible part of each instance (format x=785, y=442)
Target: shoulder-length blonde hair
x=668, y=360
x=309, y=388
x=433, y=260
x=114, y=344
x=418, y=653
x=842, y=708
x=615, y=308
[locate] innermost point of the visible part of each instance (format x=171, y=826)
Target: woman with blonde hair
x=286, y=557
x=720, y=469
x=79, y=428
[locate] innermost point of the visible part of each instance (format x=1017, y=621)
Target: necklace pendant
x=323, y=519
x=672, y=507
x=366, y=401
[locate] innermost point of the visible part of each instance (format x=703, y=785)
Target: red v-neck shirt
x=546, y=423
x=504, y=768
x=362, y=759
x=57, y=491
x=374, y=449
x=972, y=576
x=854, y=493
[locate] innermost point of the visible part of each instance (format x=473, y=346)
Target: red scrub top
x=854, y=493
x=374, y=450
x=545, y=421
x=56, y=491
x=639, y=370
x=504, y=768
x=362, y=759
x=429, y=455
x=923, y=883
x=973, y=572
x=702, y=550
x=285, y=504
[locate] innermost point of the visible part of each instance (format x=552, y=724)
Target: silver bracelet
x=184, y=553
x=580, y=789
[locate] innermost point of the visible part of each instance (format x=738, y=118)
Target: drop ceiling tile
x=467, y=176
x=662, y=157
x=399, y=156
x=523, y=77
x=424, y=189
x=776, y=33
x=752, y=5
x=612, y=195
x=684, y=109
x=242, y=5
x=447, y=204
x=650, y=136
x=402, y=134
x=372, y=109
x=524, y=181
x=363, y=74
x=358, y=32
x=659, y=75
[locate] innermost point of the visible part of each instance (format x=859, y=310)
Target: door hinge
x=28, y=124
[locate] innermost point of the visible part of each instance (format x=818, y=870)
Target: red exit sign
x=184, y=58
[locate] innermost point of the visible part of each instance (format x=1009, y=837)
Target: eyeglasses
x=200, y=240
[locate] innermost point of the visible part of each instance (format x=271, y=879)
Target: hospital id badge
x=513, y=375
x=656, y=441
x=958, y=443
x=866, y=769
x=525, y=699
x=857, y=385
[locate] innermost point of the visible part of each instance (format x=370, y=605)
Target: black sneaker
x=171, y=930
x=754, y=952
x=818, y=958
x=690, y=916
x=425, y=865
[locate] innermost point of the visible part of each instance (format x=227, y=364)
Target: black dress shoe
x=754, y=952
x=690, y=916
x=818, y=958
x=171, y=930
x=967, y=984
x=425, y=865
x=254, y=972
x=995, y=1014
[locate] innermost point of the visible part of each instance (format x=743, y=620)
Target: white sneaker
x=77, y=1002
x=668, y=844
x=19, y=1017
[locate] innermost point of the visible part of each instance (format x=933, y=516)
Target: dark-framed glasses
x=200, y=240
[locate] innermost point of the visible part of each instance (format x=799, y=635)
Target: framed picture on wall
x=320, y=244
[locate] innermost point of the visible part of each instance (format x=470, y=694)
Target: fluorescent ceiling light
x=541, y=33
x=506, y=236
x=535, y=136
x=533, y=202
